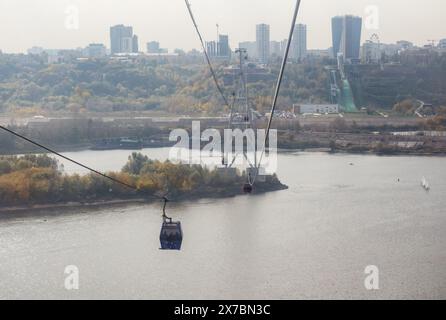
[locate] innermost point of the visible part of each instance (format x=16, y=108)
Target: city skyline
x=42, y=23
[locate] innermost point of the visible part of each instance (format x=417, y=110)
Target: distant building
x=96, y=50
x=418, y=56
x=251, y=48
x=404, y=45
x=211, y=49
x=337, y=27
x=316, y=108
x=121, y=39
x=153, y=47
x=319, y=53
x=36, y=51
x=219, y=49
x=370, y=52
x=275, y=48
x=263, y=42
x=126, y=45
x=442, y=44
x=392, y=49
x=55, y=56
x=223, y=46
x=161, y=57
x=299, y=42
x=254, y=73
x=346, y=36
x=135, y=44
x=373, y=52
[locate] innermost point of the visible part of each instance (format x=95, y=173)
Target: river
x=341, y=214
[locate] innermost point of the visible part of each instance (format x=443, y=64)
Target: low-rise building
x=95, y=50
x=316, y=108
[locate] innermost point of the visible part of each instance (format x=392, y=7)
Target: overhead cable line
x=277, y=91
x=211, y=68
x=127, y=185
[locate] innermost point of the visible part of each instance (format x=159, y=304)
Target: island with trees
x=33, y=180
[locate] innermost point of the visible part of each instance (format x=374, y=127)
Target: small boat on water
x=425, y=184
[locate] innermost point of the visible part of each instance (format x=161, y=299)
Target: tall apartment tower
x=135, y=44
x=299, y=42
x=346, y=35
x=121, y=39
x=223, y=46
x=263, y=42
x=211, y=49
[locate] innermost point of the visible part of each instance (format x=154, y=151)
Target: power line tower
x=240, y=116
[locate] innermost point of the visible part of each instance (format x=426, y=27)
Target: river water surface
x=341, y=214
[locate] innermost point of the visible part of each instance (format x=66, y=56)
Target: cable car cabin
x=171, y=236
x=247, y=188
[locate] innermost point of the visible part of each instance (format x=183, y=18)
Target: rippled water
x=311, y=241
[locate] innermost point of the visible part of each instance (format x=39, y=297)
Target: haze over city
x=42, y=22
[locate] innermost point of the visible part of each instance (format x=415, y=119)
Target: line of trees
x=39, y=179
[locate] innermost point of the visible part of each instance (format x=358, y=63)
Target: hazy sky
x=25, y=23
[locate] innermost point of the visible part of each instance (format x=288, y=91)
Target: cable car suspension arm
x=279, y=83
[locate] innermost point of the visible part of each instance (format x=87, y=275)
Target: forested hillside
x=30, y=86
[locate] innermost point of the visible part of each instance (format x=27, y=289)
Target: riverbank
x=365, y=143
x=198, y=194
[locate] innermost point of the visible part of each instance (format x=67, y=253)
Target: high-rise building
x=219, y=49
x=337, y=27
x=251, y=48
x=126, y=45
x=135, y=44
x=442, y=44
x=299, y=42
x=211, y=49
x=263, y=42
x=223, y=46
x=275, y=48
x=121, y=39
x=346, y=36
